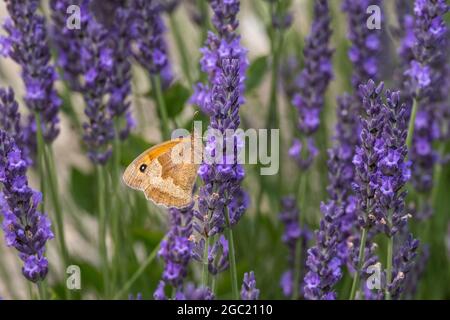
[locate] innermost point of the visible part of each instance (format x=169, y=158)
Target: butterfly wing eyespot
x=142, y=167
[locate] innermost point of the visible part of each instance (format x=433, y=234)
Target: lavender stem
x=411, y=124
x=156, y=86
x=102, y=228
x=390, y=250
x=46, y=168
x=232, y=257
x=361, y=256
x=205, y=271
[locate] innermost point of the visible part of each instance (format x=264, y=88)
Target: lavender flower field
x=329, y=181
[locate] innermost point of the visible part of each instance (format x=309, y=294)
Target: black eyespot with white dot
x=142, y=167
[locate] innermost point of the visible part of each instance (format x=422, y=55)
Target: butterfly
x=161, y=174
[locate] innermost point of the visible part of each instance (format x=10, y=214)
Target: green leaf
x=256, y=72
x=175, y=98
x=83, y=187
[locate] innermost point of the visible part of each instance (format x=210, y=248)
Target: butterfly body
x=162, y=177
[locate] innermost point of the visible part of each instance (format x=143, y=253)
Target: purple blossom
x=313, y=81
x=248, y=289
x=293, y=236
x=120, y=77
x=96, y=61
x=429, y=79
x=221, y=195
x=368, y=156
x=365, y=43
x=394, y=171
x=25, y=228
x=189, y=292
x=323, y=261
x=26, y=29
x=176, y=248
x=223, y=45
x=147, y=32
x=67, y=42
x=403, y=264
x=10, y=121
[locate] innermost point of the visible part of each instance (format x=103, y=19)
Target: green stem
x=138, y=273
x=47, y=169
x=42, y=288
x=361, y=257
x=411, y=124
x=102, y=228
x=205, y=271
x=156, y=85
x=232, y=257
x=299, y=192
x=203, y=6
x=181, y=48
x=119, y=267
x=390, y=250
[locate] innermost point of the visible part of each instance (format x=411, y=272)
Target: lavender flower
x=97, y=63
x=10, y=121
x=147, y=30
x=313, y=82
x=248, y=290
x=323, y=261
x=403, y=264
x=190, y=292
x=26, y=29
x=120, y=77
x=221, y=202
x=394, y=171
x=428, y=76
x=368, y=156
x=365, y=43
x=222, y=194
x=293, y=234
x=67, y=42
x=176, y=247
x=25, y=228
x=224, y=45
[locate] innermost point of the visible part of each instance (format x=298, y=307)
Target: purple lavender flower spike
x=225, y=177
x=10, y=121
x=365, y=43
x=323, y=262
x=97, y=63
x=249, y=290
x=224, y=45
x=403, y=264
x=120, y=78
x=26, y=29
x=25, y=228
x=291, y=236
x=428, y=77
x=191, y=292
x=147, y=31
x=394, y=171
x=313, y=82
x=176, y=247
x=222, y=202
x=67, y=42
x=368, y=156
